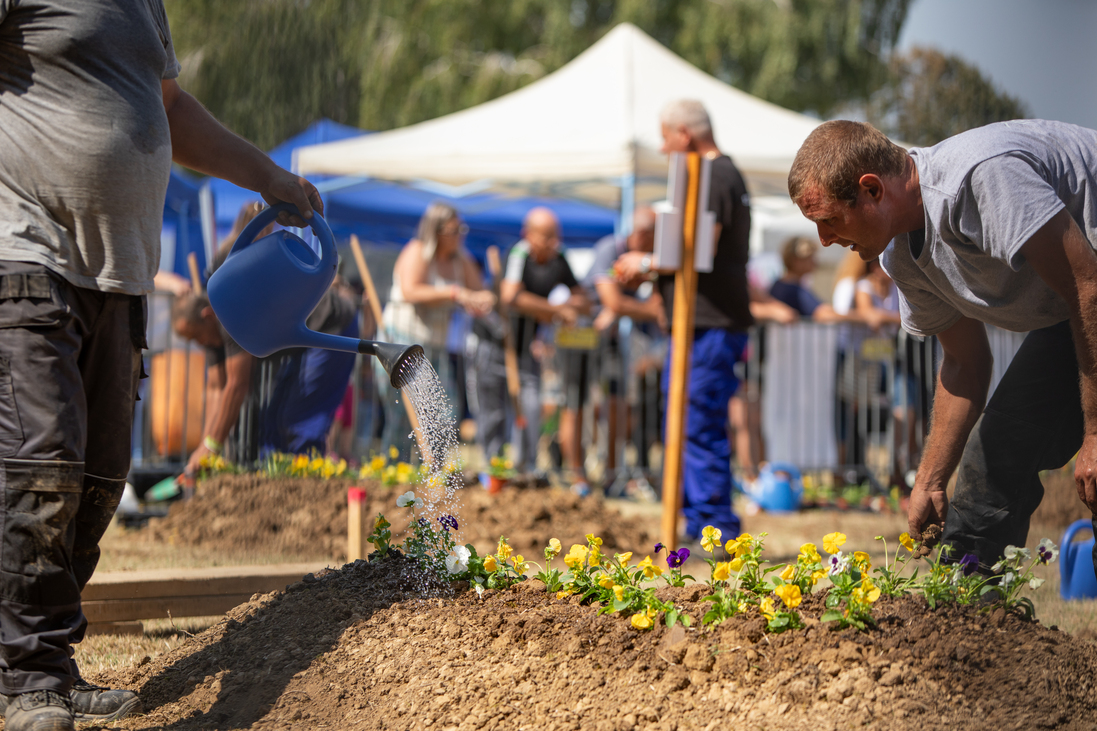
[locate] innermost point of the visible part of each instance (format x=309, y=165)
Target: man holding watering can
x=91, y=118
x=995, y=225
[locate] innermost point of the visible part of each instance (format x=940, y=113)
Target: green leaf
x=686, y=620
x=831, y=616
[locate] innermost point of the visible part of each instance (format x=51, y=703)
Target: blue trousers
x=706, y=473
x=308, y=389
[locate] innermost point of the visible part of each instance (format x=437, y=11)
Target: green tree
x=930, y=96
x=268, y=67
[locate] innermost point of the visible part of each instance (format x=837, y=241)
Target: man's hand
x=476, y=302
x=1085, y=473
x=567, y=315
x=605, y=319
x=627, y=270
x=927, y=507
x=284, y=186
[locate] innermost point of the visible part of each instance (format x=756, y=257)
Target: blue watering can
x=1076, y=573
x=774, y=491
x=265, y=289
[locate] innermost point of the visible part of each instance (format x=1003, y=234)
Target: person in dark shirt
x=535, y=267
x=798, y=255
x=722, y=316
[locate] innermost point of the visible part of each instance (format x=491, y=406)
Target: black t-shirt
x=538, y=279
x=723, y=297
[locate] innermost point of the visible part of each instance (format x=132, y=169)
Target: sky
x=1043, y=52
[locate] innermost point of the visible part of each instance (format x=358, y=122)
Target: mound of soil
x=308, y=517
x=356, y=648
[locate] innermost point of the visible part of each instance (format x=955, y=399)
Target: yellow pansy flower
x=809, y=553
x=624, y=558
x=739, y=546
x=816, y=575
x=789, y=594
x=520, y=564
x=710, y=538
x=606, y=582
x=593, y=539
x=576, y=556
x=564, y=594
x=642, y=621
x=906, y=541
x=767, y=609
x=595, y=558
x=553, y=548
x=789, y=573
x=862, y=560
x=650, y=570
x=871, y=592
x=490, y=565
x=832, y=542
x=736, y=564
x=722, y=572
x=503, y=551
x=394, y=452
x=619, y=592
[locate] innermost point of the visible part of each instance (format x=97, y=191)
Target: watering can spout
x=266, y=288
x=399, y=361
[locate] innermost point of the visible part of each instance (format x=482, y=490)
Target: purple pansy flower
x=969, y=563
x=448, y=522
x=659, y=547
x=424, y=522
x=677, y=558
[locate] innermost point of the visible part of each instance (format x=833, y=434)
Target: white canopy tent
x=595, y=120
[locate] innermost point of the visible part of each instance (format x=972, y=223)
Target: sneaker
x=96, y=703
x=581, y=488
x=38, y=710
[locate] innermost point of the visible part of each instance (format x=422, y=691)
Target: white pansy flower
x=408, y=499
x=458, y=561
x=1047, y=551
x=1035, y=583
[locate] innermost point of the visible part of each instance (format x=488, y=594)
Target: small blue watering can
x=1076, y=573
x=774, y=491
x=265, y=289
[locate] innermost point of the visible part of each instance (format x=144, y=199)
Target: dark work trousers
x=1033, y=422
x=70, y=360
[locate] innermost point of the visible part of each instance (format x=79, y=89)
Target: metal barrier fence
x=829, y=397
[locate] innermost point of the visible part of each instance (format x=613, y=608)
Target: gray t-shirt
x=85, y=149
x=985, y=193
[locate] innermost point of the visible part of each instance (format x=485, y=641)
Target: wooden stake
x=375, y=306
x=681, y=338
x=195, y=277
x=356, y=524
x=510, y=355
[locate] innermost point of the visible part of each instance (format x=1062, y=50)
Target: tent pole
x=628, y=203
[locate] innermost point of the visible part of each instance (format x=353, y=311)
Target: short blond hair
x=835, y=156
x=797, y=248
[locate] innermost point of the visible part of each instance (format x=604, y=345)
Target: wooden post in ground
x=681, y=339
x=356, y=524
x=195, y=277
x=375, y=306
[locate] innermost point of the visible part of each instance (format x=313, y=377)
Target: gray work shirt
x=85, y=149
x=985, y=193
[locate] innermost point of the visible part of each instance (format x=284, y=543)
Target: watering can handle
x=268, y=215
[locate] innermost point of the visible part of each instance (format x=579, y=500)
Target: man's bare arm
x=962, y=385
x=1061, y=255
x=201, y=143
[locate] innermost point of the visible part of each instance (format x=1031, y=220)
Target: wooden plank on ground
x=154, y=594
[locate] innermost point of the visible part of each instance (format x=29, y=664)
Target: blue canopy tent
x=182, y=231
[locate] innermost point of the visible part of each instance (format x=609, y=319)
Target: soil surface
x=357, y=648
x=309, y=517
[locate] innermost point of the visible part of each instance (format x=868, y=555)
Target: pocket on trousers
x=40, y=500
x=31, y=299
x=11, y=427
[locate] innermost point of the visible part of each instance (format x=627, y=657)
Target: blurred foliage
x=930, y=96
x=267, y=68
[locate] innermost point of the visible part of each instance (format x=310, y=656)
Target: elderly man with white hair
x=722, y=316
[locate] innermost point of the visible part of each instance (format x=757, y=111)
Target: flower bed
x=358, y=648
